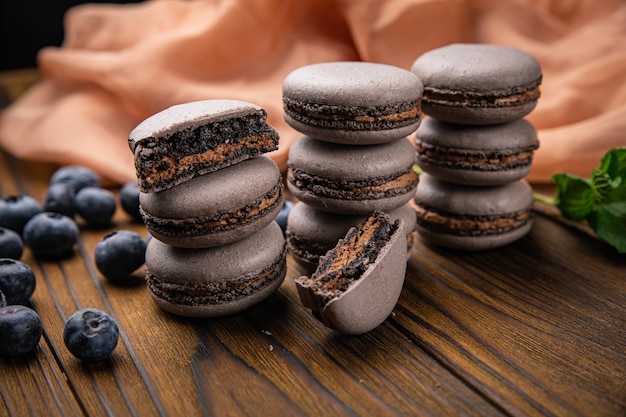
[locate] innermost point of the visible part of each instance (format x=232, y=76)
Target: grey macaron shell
x=352, y=84
x=326, y=228
x=346, y=163
x=207, y=266
x=368, y=301
x=456, y=199
x=477, y=68
x=188, y=116
x=224, y=191
x=500, y=139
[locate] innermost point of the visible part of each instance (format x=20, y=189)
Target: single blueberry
x=90, y=334
x=11, y=244
x=129, y=200
x=59, y=198
x=76, y=176
x=95, y=205
x=3, y=299
x=281, y=219
x=51, y=236
x=20, y=330
x=119, y=254
x=16, y=210
x=17, y=281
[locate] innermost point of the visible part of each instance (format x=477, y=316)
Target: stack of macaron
x=474, y=145
x=209, y=197
x=354, y=157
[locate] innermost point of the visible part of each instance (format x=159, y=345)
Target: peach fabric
x=121, y=63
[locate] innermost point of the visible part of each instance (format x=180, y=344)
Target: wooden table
x=534, y=328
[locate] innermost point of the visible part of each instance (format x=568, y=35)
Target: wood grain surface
x=536, y=328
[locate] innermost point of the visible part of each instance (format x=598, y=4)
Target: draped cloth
x=119, y=64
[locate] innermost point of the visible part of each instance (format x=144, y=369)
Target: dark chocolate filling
x=347, y=262
x=475, y=160
x=365, y=189
x=214, y=293
x=353, y=118
x=507, y=98
x=223, y=221
x=441, y=221
x=162, y=161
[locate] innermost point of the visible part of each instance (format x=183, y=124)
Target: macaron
x=350, y=179
x=357, y=283
x=210, y=282
x=478, y=83
x=190, y=139
x=311, y=232
x=352, y=102
x=476, y=155
x=216, y=208
x=472, y=218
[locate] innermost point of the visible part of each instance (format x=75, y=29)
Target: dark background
x=28, y=25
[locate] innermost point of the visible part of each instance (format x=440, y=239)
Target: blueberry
x=15, y=211
x=95, y=205
x=90, y=334
x=119, y=254
x=60, y=199
x=17, y=281
x=77, y=177
x=281, y=219
x=129, y=200
x=3, y=299
x=20, y=330
x=51, y=236
x=11, y=244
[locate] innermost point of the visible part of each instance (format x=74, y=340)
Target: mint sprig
x=599, y=200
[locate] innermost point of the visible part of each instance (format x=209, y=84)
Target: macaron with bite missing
x=312, y=232
x=476, y=155
x=352, y=102
x=472, y=218
x=471, y=83
x=195, y=138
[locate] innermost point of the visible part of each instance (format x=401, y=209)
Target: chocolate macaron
x=476, y=155
x=352, y=102
x=216, y=208
x=472, y=218
x=195, y=138
x=209, y=282
x=357, y=283
x=478, y=83
x=351, y=179
x=312, y=232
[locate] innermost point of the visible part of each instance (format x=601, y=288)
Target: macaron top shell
x=189, y=116
x=216, y=264
x=513, y=136
x=474, y=201
x=348, y=162
x=355, y=83
x=220, y=191
x=477, y=68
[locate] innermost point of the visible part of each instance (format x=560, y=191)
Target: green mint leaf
x=614, y=164
x=575, y=196
x=609, y=223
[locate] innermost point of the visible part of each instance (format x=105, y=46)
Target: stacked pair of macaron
x=209, y=197
x=474, y=146
x=352, y=173
x=354, y=157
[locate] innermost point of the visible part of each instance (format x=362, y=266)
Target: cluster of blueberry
x=51, y=232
